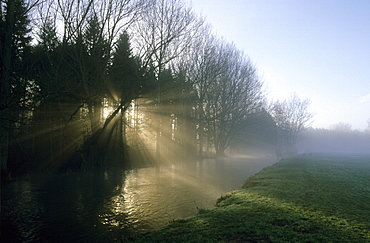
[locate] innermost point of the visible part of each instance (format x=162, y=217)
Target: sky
x=318, y=49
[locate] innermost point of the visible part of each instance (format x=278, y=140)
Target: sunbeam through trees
x=94, y=83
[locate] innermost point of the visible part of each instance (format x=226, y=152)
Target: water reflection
x=101, y=205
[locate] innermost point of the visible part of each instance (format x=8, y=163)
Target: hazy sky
x=319, y=49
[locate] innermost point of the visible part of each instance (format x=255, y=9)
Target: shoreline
x=287, y=201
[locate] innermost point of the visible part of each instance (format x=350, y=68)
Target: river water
x=101, y=205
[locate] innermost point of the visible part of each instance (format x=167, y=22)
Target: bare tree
x=161, y=35
x=291, y=118
x=203, y=68
x=164, y=32
x=232, y=97
x=71, y=16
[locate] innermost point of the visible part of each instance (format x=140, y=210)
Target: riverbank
x=312, y=198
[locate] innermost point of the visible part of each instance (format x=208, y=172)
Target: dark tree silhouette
x=15, y=85
x=128, y=81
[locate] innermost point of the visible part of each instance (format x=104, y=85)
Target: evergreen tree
x=15, y=83
x=93, y=55
x=126, y=74
x=15, y=49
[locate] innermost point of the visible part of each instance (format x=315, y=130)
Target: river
x=101, y=205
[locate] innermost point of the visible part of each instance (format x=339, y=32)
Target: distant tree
x=291, y=118
x=342, y=127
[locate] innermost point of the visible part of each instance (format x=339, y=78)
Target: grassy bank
x=301, y=199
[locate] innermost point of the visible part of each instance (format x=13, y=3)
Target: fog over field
x=334, y=141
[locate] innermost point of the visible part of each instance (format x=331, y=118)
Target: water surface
x=101, y=205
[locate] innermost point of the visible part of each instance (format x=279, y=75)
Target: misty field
x=318, y=198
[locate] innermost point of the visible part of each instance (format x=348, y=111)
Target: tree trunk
x=158, y=127
x=201, y=141
x=94, y=115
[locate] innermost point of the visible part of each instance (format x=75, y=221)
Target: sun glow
x=107, y=109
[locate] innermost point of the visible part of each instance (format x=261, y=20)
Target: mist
x=334, y=141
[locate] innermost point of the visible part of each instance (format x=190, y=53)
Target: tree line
x=84, y=82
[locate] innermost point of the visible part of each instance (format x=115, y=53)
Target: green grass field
x=318, y=198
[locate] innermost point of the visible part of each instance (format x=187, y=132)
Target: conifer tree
x=15, y=49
